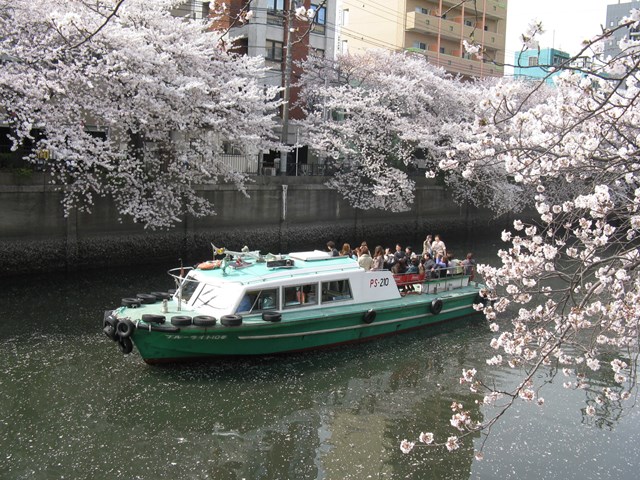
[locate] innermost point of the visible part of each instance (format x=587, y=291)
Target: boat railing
x=438, y=280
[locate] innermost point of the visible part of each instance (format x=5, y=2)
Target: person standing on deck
x=438, y=247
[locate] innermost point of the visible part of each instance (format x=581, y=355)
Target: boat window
x=301, y=295
x=210, y=295
x=188, y=289
x=259, y=301
x=336, y=290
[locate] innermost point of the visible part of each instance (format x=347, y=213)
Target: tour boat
x=245, y=304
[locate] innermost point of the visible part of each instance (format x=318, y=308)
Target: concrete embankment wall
x=281, y=214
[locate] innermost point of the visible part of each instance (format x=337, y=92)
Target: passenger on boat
x=440, y=269
x=412, y=267
x=365, y=260
x=399, y=252
x=438, y=247
x=454, y=267
x=378, y=259
x=399, y=267
x=331, y=247
x=429, y=265
x=469, y=266
x=346, y=251
x=409, y=254
x=389, y=259
x=426, y=245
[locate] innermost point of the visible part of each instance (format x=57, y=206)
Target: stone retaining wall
x=281, y=214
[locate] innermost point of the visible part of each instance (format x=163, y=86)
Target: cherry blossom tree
x=162, y=91
x=566, y=295
x=371, y=113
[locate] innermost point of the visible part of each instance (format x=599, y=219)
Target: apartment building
x=615, y=13
x=537, y=64
x=435, y=28
x=265, y=28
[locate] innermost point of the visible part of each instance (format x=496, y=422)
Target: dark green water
x=71, y=406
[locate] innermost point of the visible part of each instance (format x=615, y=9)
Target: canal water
x=72, y=406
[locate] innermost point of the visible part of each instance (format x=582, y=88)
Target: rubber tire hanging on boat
x=146, y=298
x=161, y=295
x=130, y=302
x=181, y=320
x=126, y=345
x=110, y=332
x=125, y=328
x=436, y=306
x=271, y=316
x=152, y=318
x=204, y=321
x=231, y=320
x=369, y=316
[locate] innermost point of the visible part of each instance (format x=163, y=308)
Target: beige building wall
x=435, y=28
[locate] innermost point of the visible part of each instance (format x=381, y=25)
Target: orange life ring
x=209, y=265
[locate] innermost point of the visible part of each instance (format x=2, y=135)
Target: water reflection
x=72, y=406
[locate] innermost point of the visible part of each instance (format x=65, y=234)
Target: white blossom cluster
x=565, y=297
x=372, y=112
x=161, y=88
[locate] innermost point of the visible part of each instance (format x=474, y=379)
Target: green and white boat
x=247, y=304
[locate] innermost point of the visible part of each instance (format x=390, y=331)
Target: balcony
x=495, y=8
x=429, y=24
x=464, y=66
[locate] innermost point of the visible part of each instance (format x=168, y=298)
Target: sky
x=566, y=22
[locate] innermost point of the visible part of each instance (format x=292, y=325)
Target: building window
x=274, y=50
x=319, y=19
x=422, y=10
x=468, y=23
x=420, y=45
x=441, y=49
x=533, y=61
x=558, y=60
x=275, y=12
x=345, y=17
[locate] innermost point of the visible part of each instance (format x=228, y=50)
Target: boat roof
x=304, y=264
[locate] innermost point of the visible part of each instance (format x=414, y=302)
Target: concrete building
x=435, y=28
x=536, y=65
x=615, y=13
x=267, y=32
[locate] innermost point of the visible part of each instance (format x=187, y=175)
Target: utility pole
x=287, y=88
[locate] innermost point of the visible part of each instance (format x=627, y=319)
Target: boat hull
x=303, y=330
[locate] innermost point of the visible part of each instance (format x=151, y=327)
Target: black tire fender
x=271, y=316
x=130, y=302
x=231, y=320
x=436, y=306
x=204, y=321
x=110, y=332
x=152, y=318
x=125, y=328
x=146, y=298
x=161, y=295
x=181, y=320
x=369, y=316
x=126, y=345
